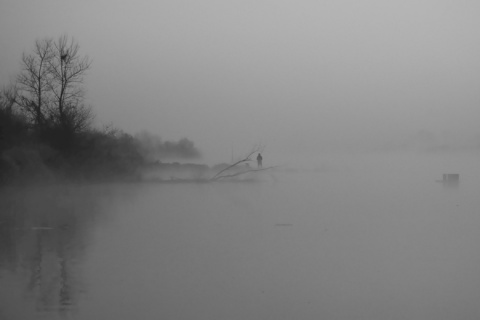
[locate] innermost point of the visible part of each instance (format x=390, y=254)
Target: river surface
x=351, y=238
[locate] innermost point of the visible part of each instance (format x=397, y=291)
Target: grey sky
x=293, y=75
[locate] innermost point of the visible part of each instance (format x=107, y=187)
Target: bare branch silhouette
x=255, y=149
x=66, y=69
x=50, y=91
x=33, y=82
x=242, y=172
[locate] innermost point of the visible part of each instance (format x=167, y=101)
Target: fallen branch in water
x=239, y=173
x=224, y=173
x=219, y=175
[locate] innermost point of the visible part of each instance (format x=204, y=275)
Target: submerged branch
x=230, y=166
x=245, y=159
x=217, y=177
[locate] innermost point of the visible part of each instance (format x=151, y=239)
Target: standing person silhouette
x=259, y=160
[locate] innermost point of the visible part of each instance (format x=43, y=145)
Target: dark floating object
x=450, y=179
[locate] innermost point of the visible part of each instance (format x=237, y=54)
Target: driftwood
x=246, y=159
x=238, y=173
x=227, y=172
x=222, y=174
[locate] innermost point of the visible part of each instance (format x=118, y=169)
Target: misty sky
x=295, y=76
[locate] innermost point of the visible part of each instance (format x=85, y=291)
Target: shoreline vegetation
x=40, y=164
x=28, y=156
x=239, y=170
x=47, y=133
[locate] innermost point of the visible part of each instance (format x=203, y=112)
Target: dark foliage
x=46, y=132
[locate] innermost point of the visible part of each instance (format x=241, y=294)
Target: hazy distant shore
x=154, y=172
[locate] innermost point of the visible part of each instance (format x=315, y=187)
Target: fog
x=297, y=76
x=152, y=147
x=355, y=238
x=362, y=110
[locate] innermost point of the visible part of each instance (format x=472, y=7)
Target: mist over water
x=364, y=237
x=344, y=221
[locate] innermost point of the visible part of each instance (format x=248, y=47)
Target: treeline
x=47, y=132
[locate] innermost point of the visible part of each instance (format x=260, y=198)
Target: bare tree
x=50, y=90
x=66, y=71
x=8, y=98
x=50, y=85
x=33, y=82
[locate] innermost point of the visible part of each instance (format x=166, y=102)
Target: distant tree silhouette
x=50, y=91
x=13, y=125
x=33, y=83
x=67, y=68
x=45, y=126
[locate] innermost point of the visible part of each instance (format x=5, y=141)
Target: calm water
x=360, y=238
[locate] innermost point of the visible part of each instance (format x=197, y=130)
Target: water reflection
x=44, y=232
x=379, y=241
x=451, y=180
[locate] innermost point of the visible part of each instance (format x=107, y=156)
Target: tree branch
x=255, y=149
x=240, y=173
